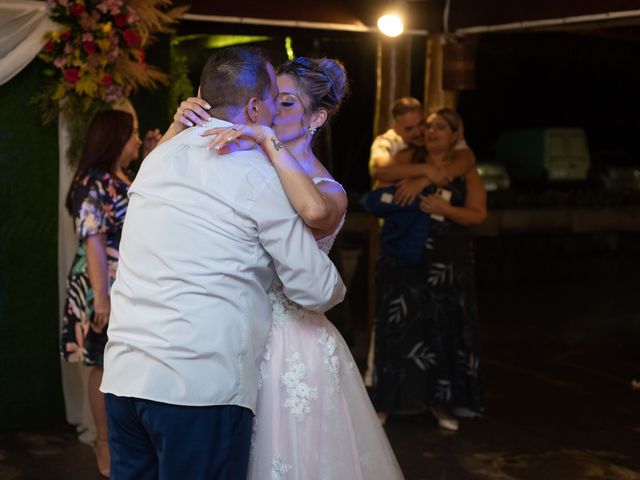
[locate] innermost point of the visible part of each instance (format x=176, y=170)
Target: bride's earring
x=312, y=130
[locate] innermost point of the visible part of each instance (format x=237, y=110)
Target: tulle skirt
x=314, y=419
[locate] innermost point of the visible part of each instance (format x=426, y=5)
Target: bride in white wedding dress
x=314, y=419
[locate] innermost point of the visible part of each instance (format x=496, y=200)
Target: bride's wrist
x=267, y=134
x=271, y=141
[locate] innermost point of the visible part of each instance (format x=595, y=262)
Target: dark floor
x=561, y=338
x=554, y=413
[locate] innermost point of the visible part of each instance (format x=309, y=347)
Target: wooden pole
x=393, y=78
x=435, y=95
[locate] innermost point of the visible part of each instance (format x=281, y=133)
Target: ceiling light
x=390, y=25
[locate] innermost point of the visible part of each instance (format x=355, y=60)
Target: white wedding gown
x=314, y=419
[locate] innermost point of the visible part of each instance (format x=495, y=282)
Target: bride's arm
x=320, y=206
x=192, y=111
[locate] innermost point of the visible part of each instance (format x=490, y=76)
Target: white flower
x=279, y=469
x=300, y=394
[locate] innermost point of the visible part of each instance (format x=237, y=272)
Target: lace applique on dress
x=331, y=360
x=283, y=309
x=279, y=469
x=262, y=373
x=300, y=394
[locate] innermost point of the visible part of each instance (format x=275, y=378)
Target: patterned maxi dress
x=314, y=419
x=99, y=207
x=427, y=341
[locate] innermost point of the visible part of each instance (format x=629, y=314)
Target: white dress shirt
x=203, y=240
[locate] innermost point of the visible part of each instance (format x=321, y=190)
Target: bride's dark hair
x=323, y=80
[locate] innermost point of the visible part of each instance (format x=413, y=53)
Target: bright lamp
x=390, y=25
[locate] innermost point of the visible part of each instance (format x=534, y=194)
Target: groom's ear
x=253, y=109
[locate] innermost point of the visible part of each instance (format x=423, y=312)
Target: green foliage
x=30, y=389
x=181, y=86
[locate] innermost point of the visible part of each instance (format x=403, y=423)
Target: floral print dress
x=427, y=341
x=99, y=207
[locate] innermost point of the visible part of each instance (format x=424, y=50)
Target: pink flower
x=87, y=37
x=72, y=75
x=111, y=6
x=107, y=80
x=132, y=37
x=113, y=54
x=60, y=62
x=89, y=47
x=113, y=93
x=132, y=16
x=68, y=49
x=113, y=36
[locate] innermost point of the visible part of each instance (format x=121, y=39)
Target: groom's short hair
x=232, y=76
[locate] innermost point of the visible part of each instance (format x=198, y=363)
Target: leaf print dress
x=314, y=419
x=99, y=207
x=427, y=339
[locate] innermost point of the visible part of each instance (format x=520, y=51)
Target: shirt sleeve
x=379, y=202
x=92, y=215
x=308, y=277
x=380, y=148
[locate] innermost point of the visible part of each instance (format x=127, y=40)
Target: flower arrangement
x=98, y=54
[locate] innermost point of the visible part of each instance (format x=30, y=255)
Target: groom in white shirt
x=204, y=238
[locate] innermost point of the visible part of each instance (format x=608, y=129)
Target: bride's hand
x=237, y=137
x=192, y=111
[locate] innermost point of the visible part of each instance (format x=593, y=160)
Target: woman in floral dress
x=97, y=199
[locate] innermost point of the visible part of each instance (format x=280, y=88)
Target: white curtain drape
x=22, y=26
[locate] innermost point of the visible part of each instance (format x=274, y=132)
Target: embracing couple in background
x=220, y=363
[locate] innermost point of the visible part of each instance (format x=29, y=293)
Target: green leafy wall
x=30, y=391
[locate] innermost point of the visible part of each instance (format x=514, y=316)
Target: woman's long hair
x=108, y=133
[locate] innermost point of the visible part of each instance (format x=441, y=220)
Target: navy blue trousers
x=157, y=441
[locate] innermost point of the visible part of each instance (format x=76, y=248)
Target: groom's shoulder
x=251, y=163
